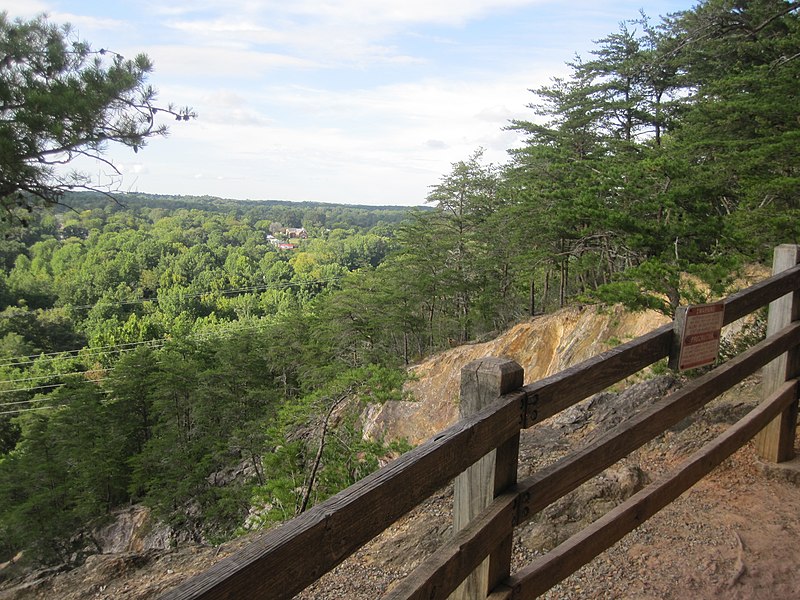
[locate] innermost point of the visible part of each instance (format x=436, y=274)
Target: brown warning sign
x=697, y=331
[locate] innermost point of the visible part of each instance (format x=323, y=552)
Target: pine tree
x=60, y=99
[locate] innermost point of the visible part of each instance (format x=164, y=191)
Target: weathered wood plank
x=501, y=592
x=454, y=559
x=436, y=579
x=285, y=560
x=553, y=394
x=760, y=294
x=552, y=482
x=581, y=548
x=776, y=442
x=506, y=470
x=482, y=381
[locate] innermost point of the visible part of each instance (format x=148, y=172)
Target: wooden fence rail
x=475, y=563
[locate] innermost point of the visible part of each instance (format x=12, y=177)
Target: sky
x=366, y=102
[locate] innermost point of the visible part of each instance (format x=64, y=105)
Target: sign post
x=697, y=334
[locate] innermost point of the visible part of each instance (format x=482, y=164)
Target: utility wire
x=109, y=349
x=199, y=336
x=2, y=381
x=99, y=380
x=39, y=387
x=43, y=398
x=221, y=292
x=31, y=401
x=22, y=410
x=23, y=360
x=55, y=355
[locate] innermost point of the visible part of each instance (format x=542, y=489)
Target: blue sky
x=351, y=101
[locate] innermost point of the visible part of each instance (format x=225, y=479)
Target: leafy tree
x=198, y=410
x=452, y=232
x=668, y=152
x=42, y=330
x=60, y=99
x=724, y=182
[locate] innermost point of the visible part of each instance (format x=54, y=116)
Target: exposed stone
x=133, y=530
x=787, y=471
x=574, y=511
x=542, y=346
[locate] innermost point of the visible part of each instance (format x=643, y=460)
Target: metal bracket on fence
x=522, y=508
x=523, y=410
x=515, y=513
x=531, y=409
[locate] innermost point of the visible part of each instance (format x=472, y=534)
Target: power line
x=22, y=410
x=44, y=398
x=32, y=389
x=220, y=292
x=99, y=380
x=31, y=401
x=109, y=349
x=55, y=355
x=199, y=336
x=51, y=376
x=24, y=360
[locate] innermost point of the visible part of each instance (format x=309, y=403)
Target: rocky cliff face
x=542, y=346
x=132, y=530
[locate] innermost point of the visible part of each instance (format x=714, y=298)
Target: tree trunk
x=532, y=297
x=546, y=289
x=318, y=458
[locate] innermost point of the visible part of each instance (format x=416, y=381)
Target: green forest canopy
x=176, y=326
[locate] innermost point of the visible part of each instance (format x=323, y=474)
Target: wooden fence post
x=775, y=442
x=483, y=381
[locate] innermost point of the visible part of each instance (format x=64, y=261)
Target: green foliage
x=59, y=100
x=751, y=332
x=200, y=396
x=67, y=468
x=166, y=351
x=197, y=333
x=317, y=445
x=665, y=153
x=630, y=295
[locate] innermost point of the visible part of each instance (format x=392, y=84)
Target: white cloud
x=447, y=12
x=353, y=31
x=208, y=63
x=83, y=22
x=348, y=139
x=28, y=9
x=316, y=42
x=24, y=8
x=337, y=100
x=436, y=144
x=386, y=12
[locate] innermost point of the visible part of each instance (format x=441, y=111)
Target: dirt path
x=735, y=535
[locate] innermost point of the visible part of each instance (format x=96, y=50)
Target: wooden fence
x=481, y=453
